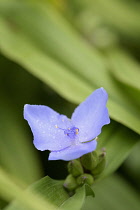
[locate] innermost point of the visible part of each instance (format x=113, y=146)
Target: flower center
x=71, y=132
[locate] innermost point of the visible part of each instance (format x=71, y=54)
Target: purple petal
x=44, y=122
x=74, y=151
x=91, y=115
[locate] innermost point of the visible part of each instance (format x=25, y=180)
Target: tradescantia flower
x=68, y=139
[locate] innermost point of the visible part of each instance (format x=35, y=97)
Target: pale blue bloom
x=68, y=139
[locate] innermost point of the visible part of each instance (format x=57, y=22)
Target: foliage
x=56, y=53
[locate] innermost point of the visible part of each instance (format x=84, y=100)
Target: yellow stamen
x=77, y=131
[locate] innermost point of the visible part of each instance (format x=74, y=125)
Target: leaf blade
x=81, y=66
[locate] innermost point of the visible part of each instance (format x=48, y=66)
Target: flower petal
x=91, y=115
x=43, y=122
x=74, y=151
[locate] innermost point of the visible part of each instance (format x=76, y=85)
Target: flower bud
x=70, y=183
x=85, y=179
x=75, y=168
x=90, y=160
x=101, y=165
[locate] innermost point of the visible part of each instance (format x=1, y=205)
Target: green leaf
x=9, y=190
x=65, y=62
x=119, y=15
x=118, y=142
x=50, y=189
x=113, y=193
x=89, y=190
x=14, y=145
x=124, y=68
x=71, y=86
x=131, y=166
x=37, y=63
x=53, y=191
x=76, y=201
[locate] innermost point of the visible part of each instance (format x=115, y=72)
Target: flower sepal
x=85, y=179
x=70, y=183
x=89, y=160
x=100, y=166
x=75, y=168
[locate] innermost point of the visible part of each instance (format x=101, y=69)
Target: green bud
x=75, y=168
x=101, y=165
x=85, y=179
x=70, y=183
x=90, y=160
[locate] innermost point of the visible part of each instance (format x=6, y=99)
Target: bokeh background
x=56, y=53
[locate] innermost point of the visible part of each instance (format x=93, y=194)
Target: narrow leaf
x=74, y=69
x=124, y=68
x=118, y=142
x=113, y=193
x=9, y=190
x=14, y=145
x=53, y=191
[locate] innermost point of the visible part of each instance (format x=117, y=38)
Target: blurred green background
x=56, y=53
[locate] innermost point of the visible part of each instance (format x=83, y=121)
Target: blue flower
x=68, y=139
